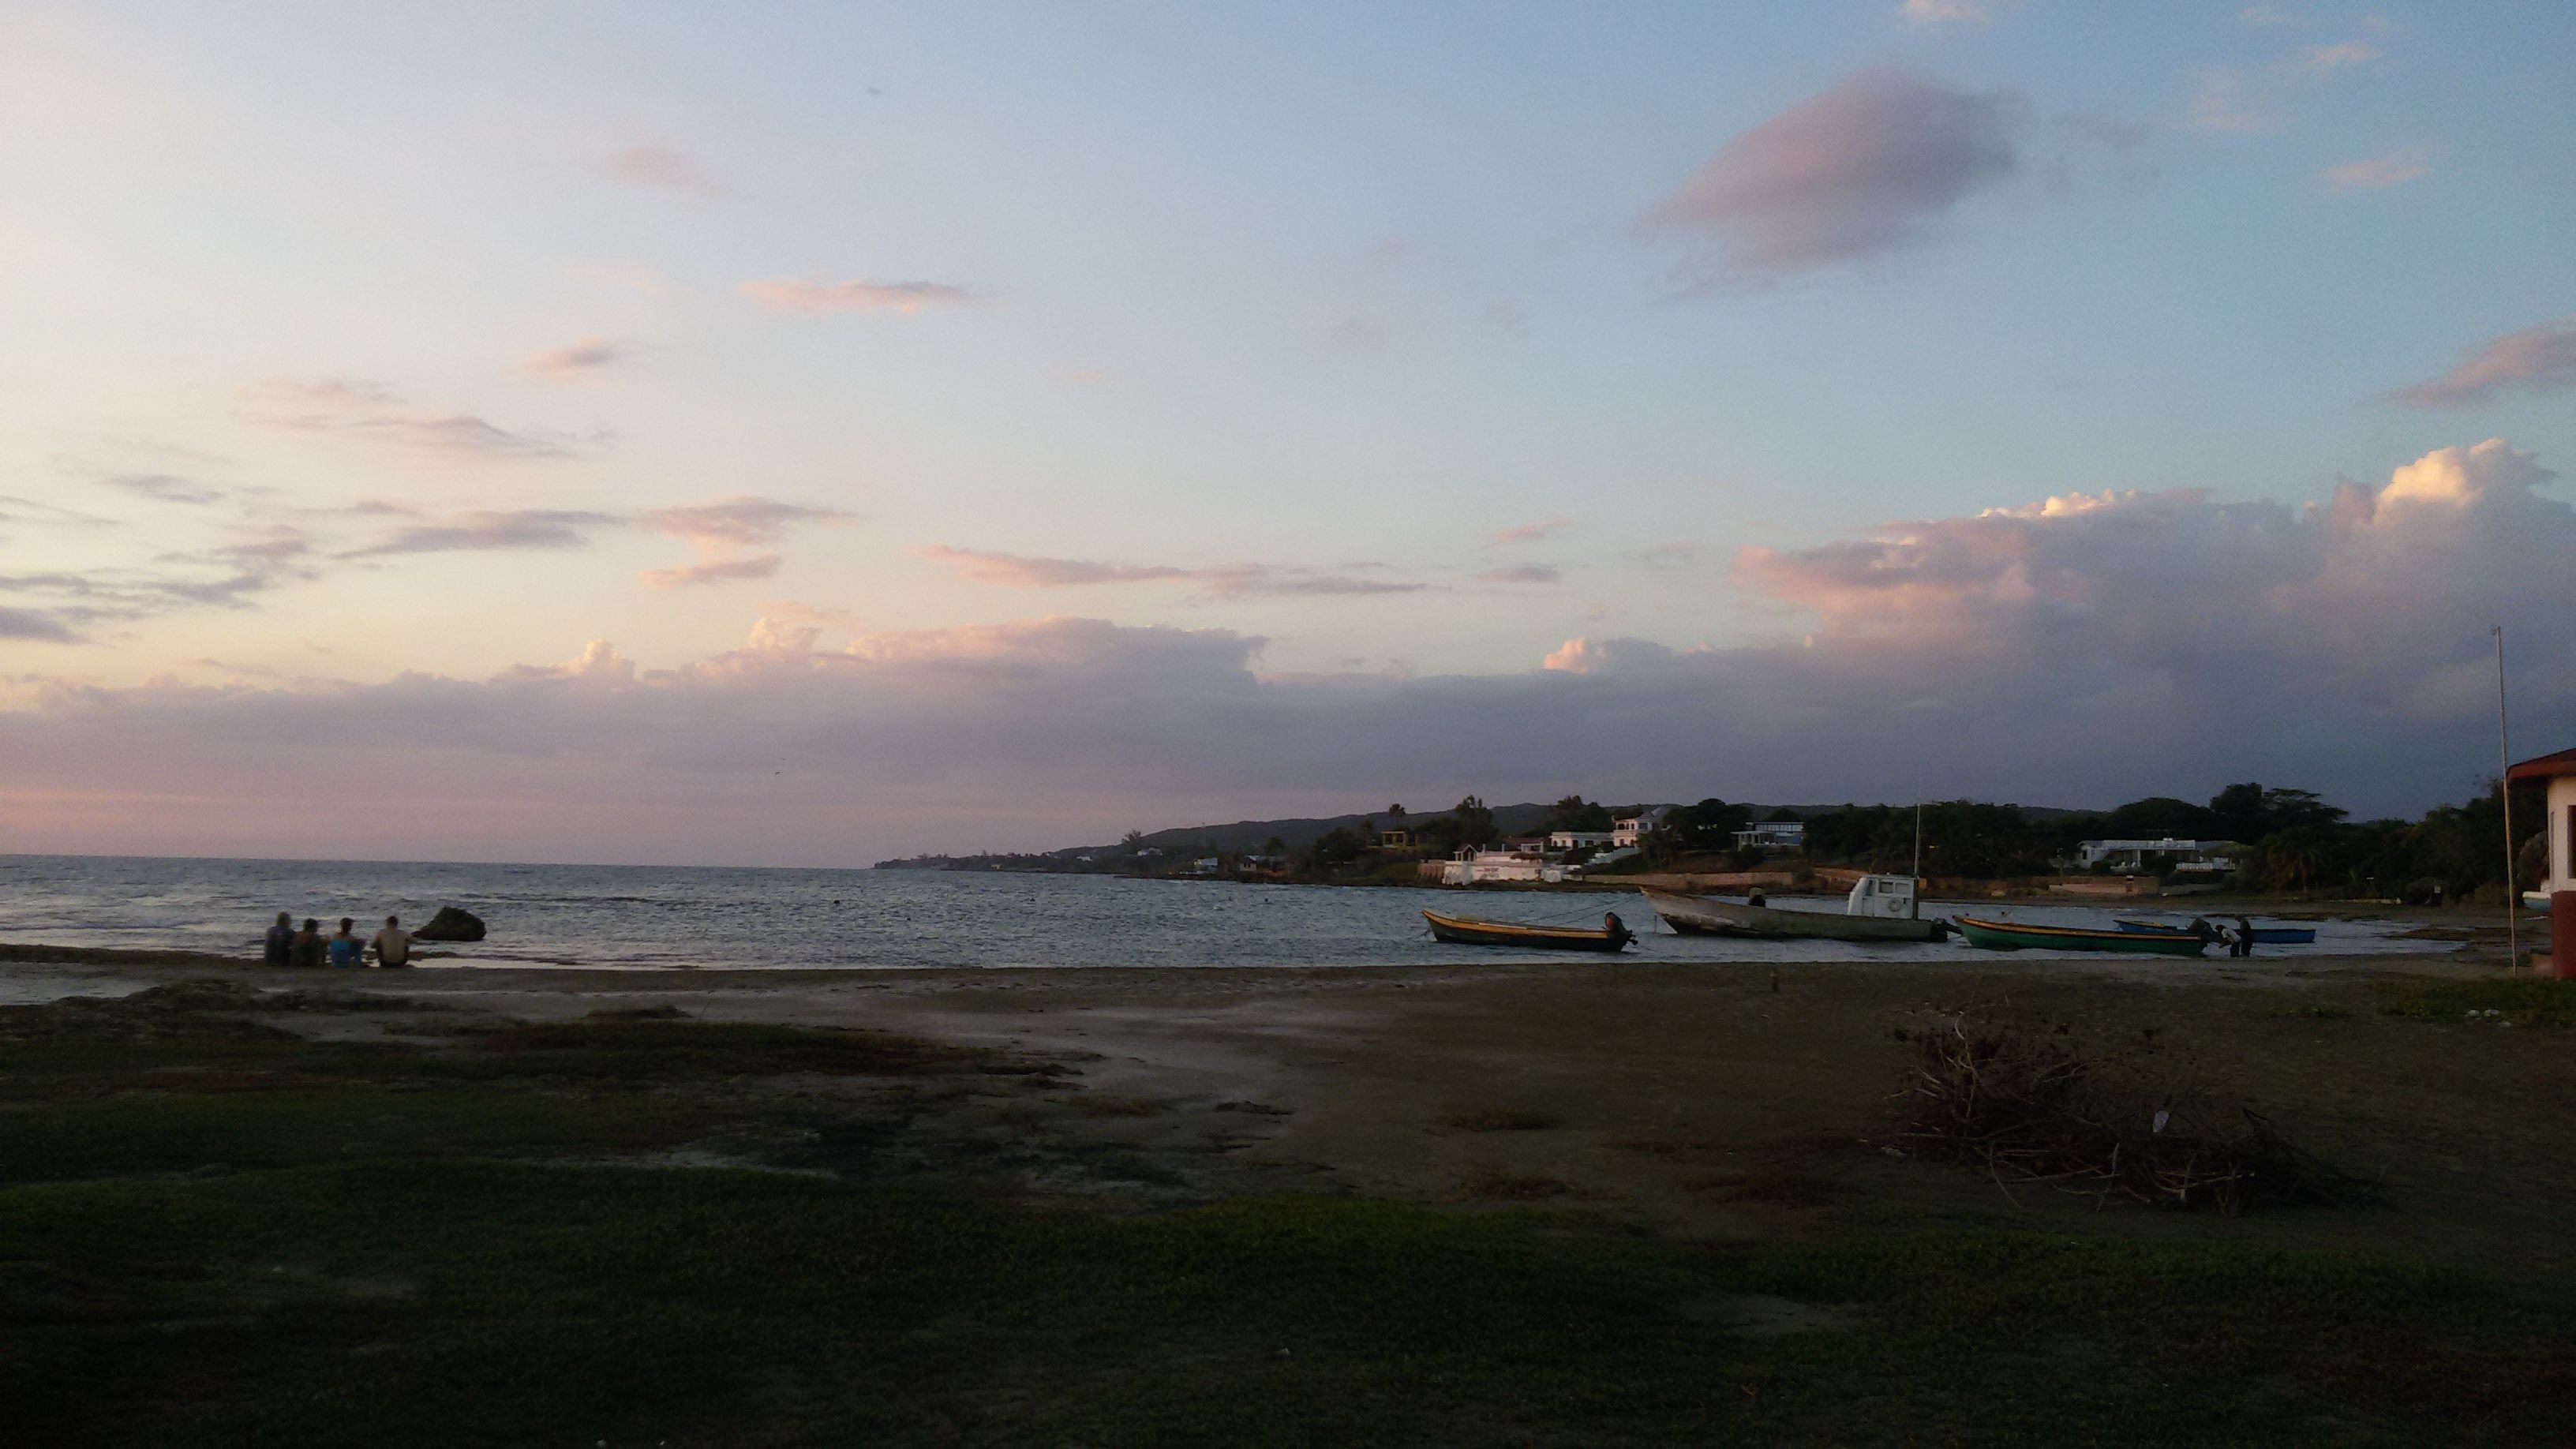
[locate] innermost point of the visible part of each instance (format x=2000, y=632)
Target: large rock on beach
x=451, y=924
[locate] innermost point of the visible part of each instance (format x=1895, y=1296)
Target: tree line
x=2289, y=840
x=2292, y=841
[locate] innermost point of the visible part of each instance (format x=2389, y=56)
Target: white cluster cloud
x=2081, y=650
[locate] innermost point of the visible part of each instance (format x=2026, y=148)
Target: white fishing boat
x=1879, y=908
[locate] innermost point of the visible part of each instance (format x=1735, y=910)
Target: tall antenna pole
x=2504, y=789
x=1914, y=897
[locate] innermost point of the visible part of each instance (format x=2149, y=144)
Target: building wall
x=2562, y=834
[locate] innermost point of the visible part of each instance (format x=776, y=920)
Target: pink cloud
x=359, y=409
x=1545, y=528
x=664, y=168
x=2078, y=651
x=2321, y=59
x=742, y=519
x=490, y=530
x=576, y=361
x=1864, y=168
x=1528, y=573
x=1225, y=581
x=2535, y=359
x=715, y=571
x=2407, y=163
x=1355, y=334
x=733, y=537
x=1018, y=571
x=2223, y=104
x=815, y=299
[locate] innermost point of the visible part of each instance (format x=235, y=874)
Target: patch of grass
x=1500, y=1119
x=393, y=1303
x=660, y=1048
x=2522, y=1000
x=269, y=1126
x=1774, y=1185
x=320, y=1243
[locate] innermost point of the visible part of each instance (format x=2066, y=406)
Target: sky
x=796, y=435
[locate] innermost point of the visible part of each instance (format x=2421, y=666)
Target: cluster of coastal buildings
x=1566, y=854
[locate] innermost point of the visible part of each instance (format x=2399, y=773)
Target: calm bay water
x=657, y=916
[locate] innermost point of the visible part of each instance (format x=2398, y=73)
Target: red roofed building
x=2560, y=771
x=2559, y=866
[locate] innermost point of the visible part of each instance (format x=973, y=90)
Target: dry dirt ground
x=1696, y=1101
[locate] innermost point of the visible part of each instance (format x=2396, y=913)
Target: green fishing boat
x=2021, y=936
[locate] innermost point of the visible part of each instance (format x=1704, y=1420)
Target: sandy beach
x=1699, y=1101
x=1498, y=1201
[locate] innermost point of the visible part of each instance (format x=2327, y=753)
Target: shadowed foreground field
x=228, y=1218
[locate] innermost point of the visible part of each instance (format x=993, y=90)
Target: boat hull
x=2021, y=936
x=1468, y=931
x=2263, y=935
x=1700, y=916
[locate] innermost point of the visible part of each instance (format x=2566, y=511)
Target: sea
x=711, y=919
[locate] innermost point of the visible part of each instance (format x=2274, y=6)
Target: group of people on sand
x=284, y=945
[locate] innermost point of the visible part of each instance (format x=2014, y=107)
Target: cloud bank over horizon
x=2082, y=650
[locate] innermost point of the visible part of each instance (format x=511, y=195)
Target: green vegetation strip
x=419, y=1303
x=2521, y=1000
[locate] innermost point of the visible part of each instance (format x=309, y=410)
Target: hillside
x=1297, y=834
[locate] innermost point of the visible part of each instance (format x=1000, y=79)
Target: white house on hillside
x=2135, y=857
x=1772, y=835
x=1624, y=833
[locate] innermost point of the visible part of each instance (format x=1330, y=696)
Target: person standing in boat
x=1617, y=928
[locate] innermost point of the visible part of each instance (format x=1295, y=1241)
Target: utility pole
x=2504, y=791
x=1914, y=898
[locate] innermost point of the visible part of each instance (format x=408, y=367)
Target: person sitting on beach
x=278, y=946
x=393, y=944
x=346, y=949
x=306, y=949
